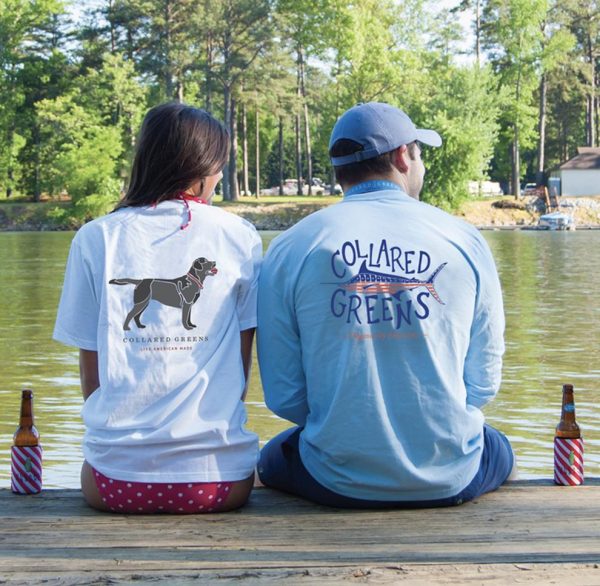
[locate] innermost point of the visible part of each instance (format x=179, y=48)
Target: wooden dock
x=526, y=532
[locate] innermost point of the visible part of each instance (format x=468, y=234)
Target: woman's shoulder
x=93, y=228
x=231, y=221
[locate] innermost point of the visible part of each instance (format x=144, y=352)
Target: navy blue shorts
x=280, y=467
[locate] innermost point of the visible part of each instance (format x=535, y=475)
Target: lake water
x=552, y=335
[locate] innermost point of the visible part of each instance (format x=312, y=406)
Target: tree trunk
x=245, y=180
x=227, y=121
x=298, y=153
x=306, y=124
x=257, y=149
x=516, y=155
x=37, y=189
x=588, y=125
x=590, y=122
x=298, y=138
x=234, y=189
x=597, y=118
x=478, y=32
x=516, y=170
x=280, y=154
x=9, y=170
x=209, y=64
x=9, y=183
x=130, y=50
x=111, y=24
x=539, y=178
x=168, y=65
x=309, y=172
x=590, y=114
x=564, y=147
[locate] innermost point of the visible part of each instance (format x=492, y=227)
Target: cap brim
x=429, y=137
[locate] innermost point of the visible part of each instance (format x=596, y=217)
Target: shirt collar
x=374, y=185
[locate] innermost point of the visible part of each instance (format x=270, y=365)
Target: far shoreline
x=280, y=213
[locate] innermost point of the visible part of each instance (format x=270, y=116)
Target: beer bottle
x=26, y=452
x=568, y=445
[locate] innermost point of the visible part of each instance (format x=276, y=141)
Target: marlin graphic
x=368, y=281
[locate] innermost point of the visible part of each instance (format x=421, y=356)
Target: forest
x=511, y=85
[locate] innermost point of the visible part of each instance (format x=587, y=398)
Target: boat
x=557, y=221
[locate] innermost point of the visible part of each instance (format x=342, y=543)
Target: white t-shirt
x=164, y=307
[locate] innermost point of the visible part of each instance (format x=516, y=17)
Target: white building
x=580, y=175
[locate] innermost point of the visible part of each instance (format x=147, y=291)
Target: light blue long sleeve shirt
x=380, y=331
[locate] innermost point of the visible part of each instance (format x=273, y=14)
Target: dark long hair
x=177, y=146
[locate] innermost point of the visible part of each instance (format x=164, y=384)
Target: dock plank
x=54, y=537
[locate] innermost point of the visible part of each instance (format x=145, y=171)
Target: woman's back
x=169, y=405
x=160, y=297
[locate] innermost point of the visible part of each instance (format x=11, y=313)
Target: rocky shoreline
x=489, y=214
x=493, y=214
x=508, y=213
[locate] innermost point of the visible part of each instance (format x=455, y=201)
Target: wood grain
x=54, y=536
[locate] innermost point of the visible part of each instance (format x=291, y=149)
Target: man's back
x=380, y=332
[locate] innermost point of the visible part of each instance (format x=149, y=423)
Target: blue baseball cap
x=379, y=128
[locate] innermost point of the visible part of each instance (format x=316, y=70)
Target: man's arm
x=279, y=349
x=88, y=372
x=483, y=363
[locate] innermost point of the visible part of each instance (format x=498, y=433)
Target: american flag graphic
x=568, y=461
x=26, y=469
x=387, y=288
x=370, y=282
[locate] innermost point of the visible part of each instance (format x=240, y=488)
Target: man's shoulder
x=446, y=216
x=455, y=228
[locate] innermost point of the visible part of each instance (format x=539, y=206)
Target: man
x=381, y=336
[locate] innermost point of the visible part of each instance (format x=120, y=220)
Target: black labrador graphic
x=181, y=292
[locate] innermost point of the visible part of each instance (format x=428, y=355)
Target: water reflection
x=553, y=330
x=553, y=335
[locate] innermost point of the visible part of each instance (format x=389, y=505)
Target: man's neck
x=394, y=176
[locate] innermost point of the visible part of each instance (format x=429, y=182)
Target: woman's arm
x=88, y=372
x=246, y=338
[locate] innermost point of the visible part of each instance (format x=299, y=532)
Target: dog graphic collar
x=197, y=281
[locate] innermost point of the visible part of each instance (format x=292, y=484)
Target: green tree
x=86, y=132
x=475, y=7
x=557, y=45
x=514, y=41
x=115, y=93
x=270, y=94
x=308, y=26
x=79, y=152
x=30, y=33
x=583, y=19
x=240, y=31
x=369, y=56
x=464, y=110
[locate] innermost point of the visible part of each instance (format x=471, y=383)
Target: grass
x=15, y=199
x=270, y=212
x=218, y=200
x=279, y=199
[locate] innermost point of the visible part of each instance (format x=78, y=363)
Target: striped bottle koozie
x=26, y=469
x=568, y=461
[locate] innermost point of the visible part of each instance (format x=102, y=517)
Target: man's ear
x=399, y=157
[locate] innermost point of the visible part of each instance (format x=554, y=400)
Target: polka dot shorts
x=121, y=496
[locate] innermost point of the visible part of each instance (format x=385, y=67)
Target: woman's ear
x=399, y=158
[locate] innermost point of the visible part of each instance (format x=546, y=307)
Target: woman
x=160, y=298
